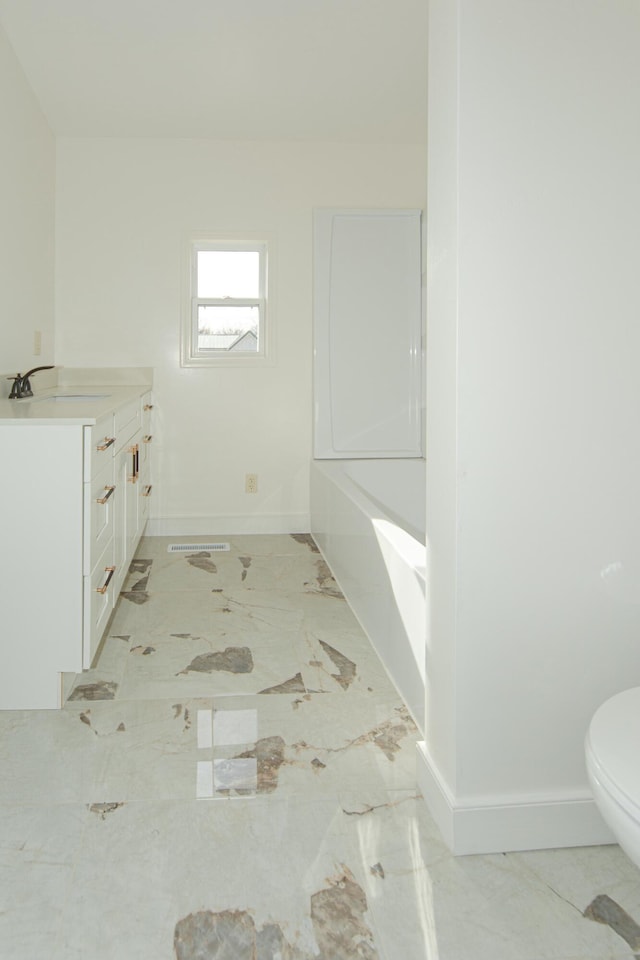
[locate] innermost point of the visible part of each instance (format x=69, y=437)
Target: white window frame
x=191, y=354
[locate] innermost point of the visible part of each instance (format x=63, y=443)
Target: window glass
x=224, y=317
x=228, y=273
x=234, y=328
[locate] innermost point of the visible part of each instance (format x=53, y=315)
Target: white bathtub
x=367, y=517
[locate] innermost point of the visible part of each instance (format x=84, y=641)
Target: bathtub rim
x=359, y=495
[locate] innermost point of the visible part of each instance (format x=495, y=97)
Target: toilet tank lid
x=614, y=741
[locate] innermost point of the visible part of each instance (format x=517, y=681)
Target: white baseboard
x=496, y=827
x=227, y=525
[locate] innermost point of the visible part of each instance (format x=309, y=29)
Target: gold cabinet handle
x=135, y=465
x=106, y=443
x=109, y=493
x=109, y=571
x=147, y=490
x=148, y=406
x=148, y=438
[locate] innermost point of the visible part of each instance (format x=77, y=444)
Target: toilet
x=612, y=752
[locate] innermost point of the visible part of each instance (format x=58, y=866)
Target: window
x=226, y=321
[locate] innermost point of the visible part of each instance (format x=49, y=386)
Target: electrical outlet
x=251, y=483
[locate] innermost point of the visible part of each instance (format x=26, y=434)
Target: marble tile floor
x=235, y=780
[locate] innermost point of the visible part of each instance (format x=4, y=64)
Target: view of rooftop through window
x=228, y=292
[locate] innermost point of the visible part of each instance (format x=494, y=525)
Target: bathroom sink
x=72, y=397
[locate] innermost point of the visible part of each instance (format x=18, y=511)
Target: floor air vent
x=196, y=547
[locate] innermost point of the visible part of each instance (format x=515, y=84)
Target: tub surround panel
x=377, y=563
x=367, y=333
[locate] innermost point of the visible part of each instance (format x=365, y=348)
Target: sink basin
x=72, y=397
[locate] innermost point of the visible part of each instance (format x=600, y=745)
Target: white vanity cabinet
x=72, y=513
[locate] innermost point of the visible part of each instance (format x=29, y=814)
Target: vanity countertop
x=78, y=404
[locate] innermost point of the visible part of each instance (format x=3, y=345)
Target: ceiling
x=336, y=70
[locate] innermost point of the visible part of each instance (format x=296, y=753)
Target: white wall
x=533, y=446
x=27, y=176
x=123, y=209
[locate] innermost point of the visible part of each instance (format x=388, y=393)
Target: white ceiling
x=347, y=70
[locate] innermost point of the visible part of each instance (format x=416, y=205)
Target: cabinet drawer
x=98, y=603
x=99, y=446
x=127, y=421
x=99, y=514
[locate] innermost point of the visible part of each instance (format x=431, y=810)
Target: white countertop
x=43, y=409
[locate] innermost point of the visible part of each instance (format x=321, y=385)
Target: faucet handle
x=16, y=389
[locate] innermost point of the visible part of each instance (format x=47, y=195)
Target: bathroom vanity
x=74, y=499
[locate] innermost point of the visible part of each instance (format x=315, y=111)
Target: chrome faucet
x=21, y=386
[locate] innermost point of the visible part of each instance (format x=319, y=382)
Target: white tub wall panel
x=367, y=333
x=403, y=499
x=343, y=526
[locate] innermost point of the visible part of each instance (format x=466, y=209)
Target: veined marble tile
x=240, y=771
x=276, y=545
x=38, y=848
x=315, y=747
x=342, y=659
x=268, y=860
x=166, y=749
x=388, y=835
x=516, y=914
x=102, y=682
x=48, y=757
x=200, y=666
x=207, y=570
x=196, y=612
x=149, y=748
x=581, y=874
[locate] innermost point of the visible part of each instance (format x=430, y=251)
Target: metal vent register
x=195, y=547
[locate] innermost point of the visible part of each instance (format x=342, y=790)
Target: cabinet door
x=133, y=496
x=145, y=462
x=127, y=507
x=122, y=478
x=99, y=515
x=99, y=599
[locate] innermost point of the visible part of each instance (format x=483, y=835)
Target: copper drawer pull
x=135, y=464
x=148, y=406
x=148, y=438
x=108, y=494
x=105, y=585
x=147, y=490
x=108, y=441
